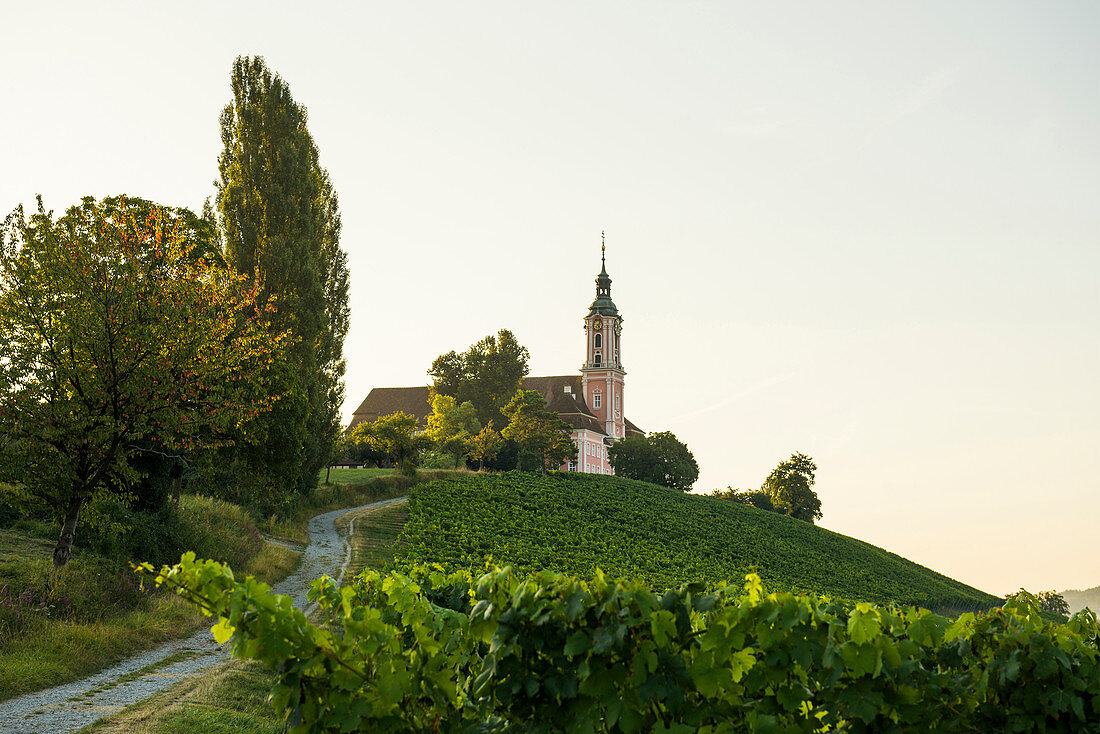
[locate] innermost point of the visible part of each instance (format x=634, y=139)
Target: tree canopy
x=543, y=438
x=280, y=220
x=789, y=486
x=451, y=426
x=758, y=498
x=485, y=446
x=487, y=375
x=659, y=458
x=1047, y=601
x=123, y=337
x=395, y=435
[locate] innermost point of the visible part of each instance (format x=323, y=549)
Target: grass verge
x=57, y=629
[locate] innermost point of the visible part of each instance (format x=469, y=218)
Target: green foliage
x=485, y=446
x=396, y=436
x=451, y=427
x=789, y=486
x=280, y=221
x=757, y=498
x=575, y=523
x=540, y=434
x=124, y=339
x=487, y=375
x=420, y=650
x=1048, y=601
x=659, y=458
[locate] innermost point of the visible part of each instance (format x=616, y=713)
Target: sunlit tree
x=123, y=336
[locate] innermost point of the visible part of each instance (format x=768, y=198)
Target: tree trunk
x=64, y=550
x=327, y=470
x=176, y=482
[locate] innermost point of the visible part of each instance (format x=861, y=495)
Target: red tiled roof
x=587, y=422
x=386, y=400
x=570, y=406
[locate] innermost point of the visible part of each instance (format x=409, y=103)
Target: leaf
x=222, y=631
x=577, y=643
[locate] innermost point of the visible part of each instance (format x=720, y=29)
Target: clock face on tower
x=597, y=324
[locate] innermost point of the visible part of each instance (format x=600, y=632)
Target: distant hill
x=577, y=522
x=1078, y=600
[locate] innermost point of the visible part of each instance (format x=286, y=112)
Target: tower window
x=596, y=359
x=598, y=341
x=596, y=400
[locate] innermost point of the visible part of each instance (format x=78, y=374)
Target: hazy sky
x=865, y=231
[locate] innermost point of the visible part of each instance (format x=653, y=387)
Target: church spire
x=603, y=303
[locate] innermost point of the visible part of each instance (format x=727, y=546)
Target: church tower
x=602, y=373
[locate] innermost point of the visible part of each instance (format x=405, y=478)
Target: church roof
x=386, y=400
x=587, y=422
x=558, y=397
x=568, y=404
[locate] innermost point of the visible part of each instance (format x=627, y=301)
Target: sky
x=864, y=231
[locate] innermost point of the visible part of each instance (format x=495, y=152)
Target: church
x=592, y=402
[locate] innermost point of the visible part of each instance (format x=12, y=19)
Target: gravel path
x=73, y=706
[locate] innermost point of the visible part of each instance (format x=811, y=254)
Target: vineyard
x=419, y=650
x=576, y=523
x=538, y=640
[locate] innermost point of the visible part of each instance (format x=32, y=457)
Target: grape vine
x=424, y=650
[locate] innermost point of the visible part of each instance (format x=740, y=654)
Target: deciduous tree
x=397, y=436
x=659, y=458
x=487, y=375
x=790, y=487
x=758, y=498
x=122, y=337
x=280, y=220
x=485, y=446
x=540, y=433
x=451, y=426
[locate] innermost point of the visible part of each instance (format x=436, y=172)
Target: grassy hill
x=578, y=522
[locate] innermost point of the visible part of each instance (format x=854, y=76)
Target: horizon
x=868, y=234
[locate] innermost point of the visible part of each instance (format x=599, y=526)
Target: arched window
x=596, y=359
x=598, y=342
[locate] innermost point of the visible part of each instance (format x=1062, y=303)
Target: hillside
x=577, y=522
x=1079, y=599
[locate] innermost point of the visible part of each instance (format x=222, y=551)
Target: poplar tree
x=280, y=219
